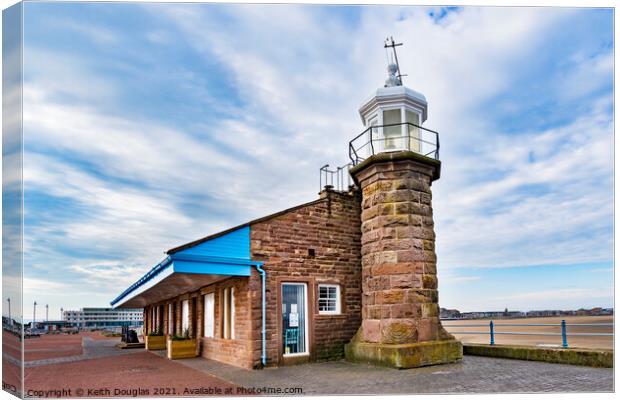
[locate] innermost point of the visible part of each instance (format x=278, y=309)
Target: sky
x=150, y=125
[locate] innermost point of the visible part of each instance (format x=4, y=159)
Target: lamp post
x=10, y=320
x=34, y=316
x=47, y=308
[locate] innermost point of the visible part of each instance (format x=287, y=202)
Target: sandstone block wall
x=331, y=228
x=241, y=351
x=399, y=281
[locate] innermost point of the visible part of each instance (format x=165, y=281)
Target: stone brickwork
x=399, y=265
x=242, y=351
x=331, y=228
x=399, y=279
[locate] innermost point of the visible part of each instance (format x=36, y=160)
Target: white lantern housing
x=395, y=114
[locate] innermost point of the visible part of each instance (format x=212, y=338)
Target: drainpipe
x=263, y=275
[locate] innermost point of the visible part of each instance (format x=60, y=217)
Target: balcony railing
x=394, y=137
x=338, y=179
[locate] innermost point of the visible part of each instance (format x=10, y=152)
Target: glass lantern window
x=413, y=130
x=392, y=134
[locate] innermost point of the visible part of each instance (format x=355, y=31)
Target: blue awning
x=192, y=268
x=181, y=273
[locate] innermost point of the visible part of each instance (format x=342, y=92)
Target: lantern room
x=393, y=117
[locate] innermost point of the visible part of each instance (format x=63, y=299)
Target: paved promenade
x=472, y=375
x=92, y=348
x=103, y=366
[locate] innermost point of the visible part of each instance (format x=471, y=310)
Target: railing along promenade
x=563, y=331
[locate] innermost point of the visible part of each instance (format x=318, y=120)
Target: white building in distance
x=95, y=317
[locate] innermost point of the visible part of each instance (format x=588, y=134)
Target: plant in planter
x=155, y=340
x=181, y=346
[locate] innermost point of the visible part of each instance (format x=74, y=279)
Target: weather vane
x=395, y=77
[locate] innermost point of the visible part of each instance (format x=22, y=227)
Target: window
x=393, y=132
x=152, y=319
x=157, y=319
x=329, y=299
x=170, y=320
x=373, y=135
x=209, y=312
x=414, y=131
x=184, y=316
x=228, y=316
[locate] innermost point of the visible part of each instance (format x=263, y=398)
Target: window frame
x=170, y=319
x=185, y=318
x=395, y=140
x=307, y=342
x=152, y=319
x=338, y=310
x=228, y=313
x=209, y=332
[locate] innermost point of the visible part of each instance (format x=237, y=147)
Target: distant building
x=93, y=317
x=452, y=313
x=55, y=326
x=595, y=311
x=514, y=314
x=455, y=314
x=545, y=313
x=492, y=314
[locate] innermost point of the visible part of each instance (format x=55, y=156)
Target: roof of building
x=228, y=250
x=249, y=223
x=395, y=94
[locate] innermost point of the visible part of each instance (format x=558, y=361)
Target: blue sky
x=150, y=125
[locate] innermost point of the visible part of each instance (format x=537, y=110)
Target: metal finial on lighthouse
x=394, y=75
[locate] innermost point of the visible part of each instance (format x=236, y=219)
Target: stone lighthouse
x=395, y=162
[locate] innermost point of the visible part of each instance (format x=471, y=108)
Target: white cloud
x=300, y=87
x=568, y=222
x=98, y=34
x=468, y=58
x=602, y=270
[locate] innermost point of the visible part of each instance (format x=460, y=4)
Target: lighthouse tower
x=396, y=160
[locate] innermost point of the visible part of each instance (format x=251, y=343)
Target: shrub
x=158, y=332
x=184, y=337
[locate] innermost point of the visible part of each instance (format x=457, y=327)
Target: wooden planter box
x=155, y=342
x=181, y=348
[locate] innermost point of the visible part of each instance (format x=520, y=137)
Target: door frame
x=309, y=355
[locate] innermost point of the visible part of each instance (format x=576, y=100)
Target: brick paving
x=472, y=375
x=91, y=349
x=52, y=346
x=103, y=365
x=124, y=375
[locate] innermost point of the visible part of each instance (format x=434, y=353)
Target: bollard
x=491, y=332
x=564, y=341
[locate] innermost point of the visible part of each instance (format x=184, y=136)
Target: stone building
x=352, y=273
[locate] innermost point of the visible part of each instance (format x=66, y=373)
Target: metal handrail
x=337, y=179
x=562, y=324
x=368, y=141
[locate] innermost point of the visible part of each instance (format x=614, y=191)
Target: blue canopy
x=192, y=268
